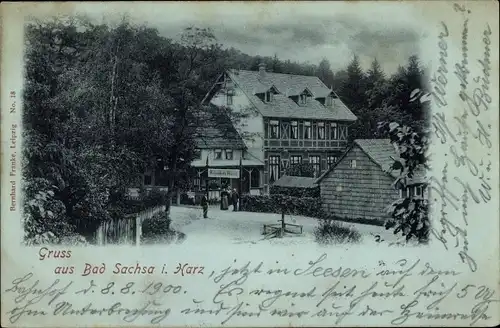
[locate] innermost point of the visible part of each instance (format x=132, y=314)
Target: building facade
x=285, y=119
x=222, y=159
x=359, y=185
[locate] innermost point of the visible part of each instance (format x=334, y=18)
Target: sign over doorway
x=224, y=173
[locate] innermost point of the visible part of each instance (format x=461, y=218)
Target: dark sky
x=304, y=32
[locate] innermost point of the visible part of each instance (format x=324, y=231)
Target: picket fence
x=126, y=230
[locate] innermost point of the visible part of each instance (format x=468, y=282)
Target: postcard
x=250, y=164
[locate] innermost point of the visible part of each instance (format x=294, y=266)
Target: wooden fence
x=126, y=230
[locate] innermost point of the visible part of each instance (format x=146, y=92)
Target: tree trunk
x=171, y=182
x=178, y=197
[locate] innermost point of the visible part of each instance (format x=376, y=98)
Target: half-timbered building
x=287, y=119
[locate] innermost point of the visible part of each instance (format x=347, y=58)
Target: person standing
x=204, y=205
x=235, y=198
x=224, y=199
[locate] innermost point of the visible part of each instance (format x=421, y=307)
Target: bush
x=157, y=225
x=306, y=206
x=331, y=232
x=295, y=191
x=153, y=197
x=147, y=199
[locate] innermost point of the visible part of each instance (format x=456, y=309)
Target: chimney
x=262, y=69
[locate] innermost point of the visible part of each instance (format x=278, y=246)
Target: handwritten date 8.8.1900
x=30, y=297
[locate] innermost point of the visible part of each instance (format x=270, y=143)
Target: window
x=352, y=164
x=294, y=160
x=148, y=179
x=244, y=154
x=329, y=101
x=255, y=179
x=229, y=154
x=411, y=191
x=269, y=96
x=334, y=131
x=218, y=154
x=295, y=130
x=315, y=162
x=321, y=130
x=197, y=154
x=274, y=129
x=274, y=168
x=330, y=160
x=404, y=192
x=307, y=130
x=303, y=99
x=229, y=99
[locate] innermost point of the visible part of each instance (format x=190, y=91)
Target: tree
x=275, y=66
x=353, y=93
x=93, y=116
x=324, y=73
x=410, y=215
x=374, y=75
x=353, y=89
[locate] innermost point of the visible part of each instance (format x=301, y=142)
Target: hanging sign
x=224, y=173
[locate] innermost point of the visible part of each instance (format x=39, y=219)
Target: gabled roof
x=307, y=91
x=215, y=130
x=265, y=88
x=295, y=182
x=251, y=82
x=382, y=153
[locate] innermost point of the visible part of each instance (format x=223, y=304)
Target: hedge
x=146, y=199
x=305, y=206
x=295, y=191
x=157, y=225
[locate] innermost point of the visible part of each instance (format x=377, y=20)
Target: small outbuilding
x=359, y=186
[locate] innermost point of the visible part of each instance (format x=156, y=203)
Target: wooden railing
x=304, y=143
x=126, y=230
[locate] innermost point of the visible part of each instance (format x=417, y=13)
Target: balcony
x=304, y=143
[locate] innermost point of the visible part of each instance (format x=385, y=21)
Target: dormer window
x=329, y=100
x=269, y=96
x=303, y=99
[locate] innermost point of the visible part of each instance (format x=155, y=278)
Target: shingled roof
x=252, y=82
x=382, y=153
x=215, y=130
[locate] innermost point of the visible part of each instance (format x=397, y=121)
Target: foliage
x=102, y=103
x=301, y=170
x=304, y=206
x=378, y=100
x=330, y=231
x=409, y=216
x=157, y=225
x=295, y=191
